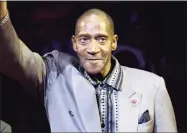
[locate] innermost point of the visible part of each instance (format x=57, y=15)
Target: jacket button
x=102, y=100
x=71, y=113
x=102, y=125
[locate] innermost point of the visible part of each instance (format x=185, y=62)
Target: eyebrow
x=83, y=34
x=98, y=34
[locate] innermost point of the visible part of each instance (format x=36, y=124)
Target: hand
x=3, y=9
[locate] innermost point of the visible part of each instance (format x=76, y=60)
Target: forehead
x=93, y=25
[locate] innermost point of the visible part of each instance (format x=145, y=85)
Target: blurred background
x=152, y=37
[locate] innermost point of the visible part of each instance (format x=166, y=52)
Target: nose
x=93, y=48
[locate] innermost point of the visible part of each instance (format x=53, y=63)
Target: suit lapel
x=129, y=102
x=87, y=104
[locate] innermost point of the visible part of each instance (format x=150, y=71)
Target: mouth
x=93, y=59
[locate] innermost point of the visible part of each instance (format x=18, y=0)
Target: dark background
x=152, y=37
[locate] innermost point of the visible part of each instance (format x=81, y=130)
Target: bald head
x=98, y=13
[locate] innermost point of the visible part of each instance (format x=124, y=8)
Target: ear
x=74, y=43
x=114, y=43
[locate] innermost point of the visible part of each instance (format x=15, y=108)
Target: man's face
x=94, y=43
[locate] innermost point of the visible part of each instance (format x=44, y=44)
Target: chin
x=93, y=71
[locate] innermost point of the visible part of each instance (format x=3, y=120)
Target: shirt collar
x=114, y=79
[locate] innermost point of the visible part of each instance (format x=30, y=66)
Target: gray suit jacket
x=70, y=99
x=72, y=106
x=4, y=127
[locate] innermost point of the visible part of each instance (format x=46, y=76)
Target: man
x=93, y=93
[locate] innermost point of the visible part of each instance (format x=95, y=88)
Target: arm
x=16, y=60
x=4, y=127
x=165, y=120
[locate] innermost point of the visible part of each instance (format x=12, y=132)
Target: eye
x=101, y=39
x=83, y=40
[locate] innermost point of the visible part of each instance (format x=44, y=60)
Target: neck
x=107, y=68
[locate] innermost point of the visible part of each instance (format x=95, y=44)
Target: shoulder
x=57, y=55
x=140, y=74
x=59, y=60
x=141, y=80
x=56, y=63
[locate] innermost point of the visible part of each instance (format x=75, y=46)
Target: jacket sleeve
x=18, y=61
x=165, y=120
x=4, y=127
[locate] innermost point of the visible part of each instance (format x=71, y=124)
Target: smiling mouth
x=93, y=59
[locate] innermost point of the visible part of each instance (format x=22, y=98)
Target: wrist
x=4, y=19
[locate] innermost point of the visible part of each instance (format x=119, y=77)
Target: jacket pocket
x=146, y=127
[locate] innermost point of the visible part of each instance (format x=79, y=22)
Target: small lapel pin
x=134, y=102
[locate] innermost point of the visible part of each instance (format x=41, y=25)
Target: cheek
x=106, y=50
x=81, y=50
